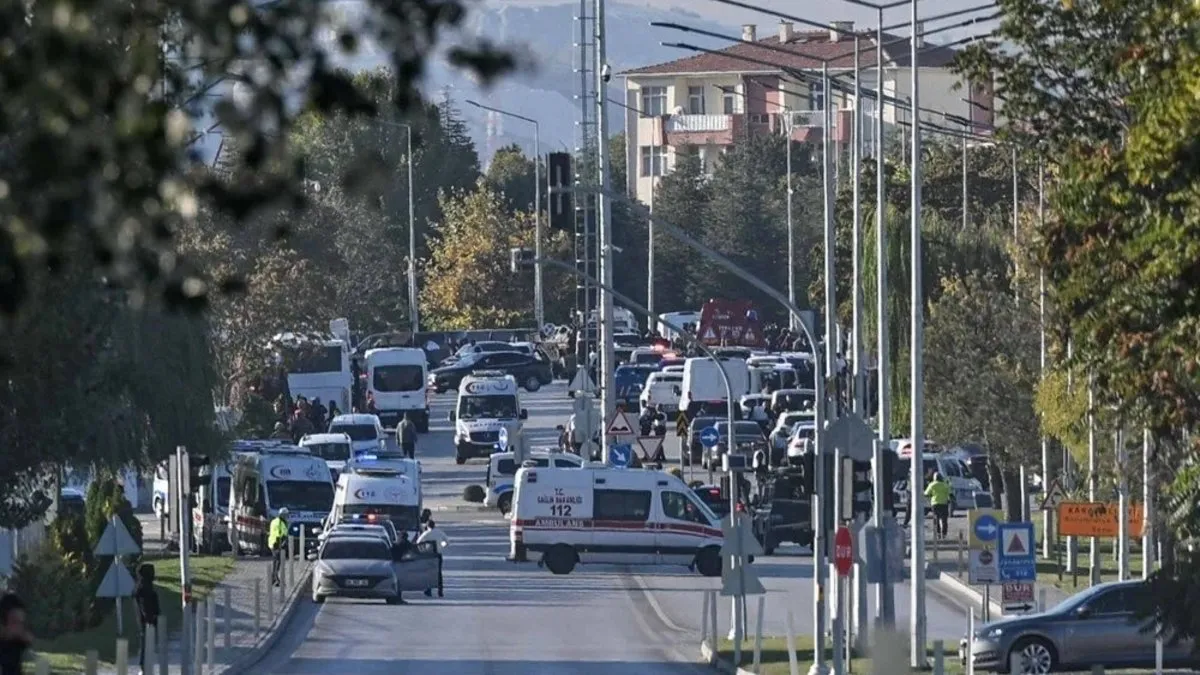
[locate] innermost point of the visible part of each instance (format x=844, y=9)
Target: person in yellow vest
x=938, y=494
x=277, y=537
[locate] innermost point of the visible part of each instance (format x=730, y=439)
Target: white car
x=785, y=425
x=662, y=389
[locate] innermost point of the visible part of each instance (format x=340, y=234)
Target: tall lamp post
x=539, y=304
x=413, y=315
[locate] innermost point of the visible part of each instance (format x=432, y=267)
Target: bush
x=69, y=535
x=56, y=591
x=474, y=494
x=106, y=498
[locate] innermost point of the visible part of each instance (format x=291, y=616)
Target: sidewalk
x=245, y=646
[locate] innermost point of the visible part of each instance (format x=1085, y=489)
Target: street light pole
x=856, y=284
x=539, y=303
x=605, y=324
x=917, y=348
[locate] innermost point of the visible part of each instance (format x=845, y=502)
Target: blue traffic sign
x=986, y=527
x=709, y=437
x=1016, y=558
x=620, y=455
x=502, y=436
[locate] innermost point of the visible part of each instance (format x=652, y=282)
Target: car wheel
x=532, y=383
x=1036, y=654
x=560, y=559
x=504, y=503
x=319, y=599
x=459, y=460
x=708, y=562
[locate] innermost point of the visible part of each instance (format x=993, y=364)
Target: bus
x=317, y=369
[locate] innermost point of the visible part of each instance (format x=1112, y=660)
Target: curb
x=463, y=508
x=707, y=656
x=274, y=631
x=966, y=593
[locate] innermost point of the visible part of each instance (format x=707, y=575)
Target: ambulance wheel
x=319, y=599
x=561, y=559
x=460, y=460
x=708, y=562
x=532, y=383
x=505, y=503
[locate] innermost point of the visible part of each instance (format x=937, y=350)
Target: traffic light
x=857, y=489
x=561, y=204
x=888, y=473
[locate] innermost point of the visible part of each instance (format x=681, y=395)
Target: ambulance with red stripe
x=598, y=514
x=283, y=476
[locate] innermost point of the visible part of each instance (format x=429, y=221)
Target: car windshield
x=398, y=378
x=487, y=407
x=300, y=495
x=403, y=517
x=330, y=452
x=356, y=432
x=223, y=492
x=355, y=549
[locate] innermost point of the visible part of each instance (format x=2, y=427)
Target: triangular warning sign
x=1054, y=496
x=619, y=425
x=709, y=334
x=1015, y=545
x=650, y=444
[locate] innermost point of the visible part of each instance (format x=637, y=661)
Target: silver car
x=1096, y=627
x=355, y=567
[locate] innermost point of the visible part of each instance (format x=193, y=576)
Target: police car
x=502, y=471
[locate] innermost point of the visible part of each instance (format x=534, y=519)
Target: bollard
x=961, y=550
x=939, y=658
x=288, y=581
x=42, y=667
x=712, y=617
x=793, y=665
x=198, y=644
x=704, y=620
x=149, y=647
x=270, y=601
x=122, y=656
x=160, y=634
x=227, y=614
x=758, y=635
x=257, y=606
x=303, y=556
x=91, y=662
x=211, y=634
x=1041, y=607
x=970, y=642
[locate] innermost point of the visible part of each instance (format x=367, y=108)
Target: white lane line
x=658, y=610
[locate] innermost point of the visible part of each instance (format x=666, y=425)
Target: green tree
x=512, y=174
x=467, y=279
x=981, y=371
x=123, y=110
x=681, y=198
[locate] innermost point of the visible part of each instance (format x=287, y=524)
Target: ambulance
x=597, y=514
x=487, y=414
x=380, y=491
x=210, y=508
x=283, y=476
x=388, y=460
x=333, y=448
x=502, y=470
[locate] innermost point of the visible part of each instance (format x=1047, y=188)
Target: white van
x=284, y=476
x=488, y=401
x=598, y=514
x=380, y=491
x=662, y=390
x=365, y=431
x=676, y=319
x=210, y=510
x=393, y=461
x=396, y=378
x=502, y=471
x=333, y=448
x=703, y=385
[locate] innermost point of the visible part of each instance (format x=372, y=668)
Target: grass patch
x=67, y=652
x=1071, y=583
x=775, y=656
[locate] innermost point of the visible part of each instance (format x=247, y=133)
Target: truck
x=730, y=323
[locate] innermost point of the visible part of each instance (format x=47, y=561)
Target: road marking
x=662, y=615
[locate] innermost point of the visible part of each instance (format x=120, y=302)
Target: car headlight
x=993, y=633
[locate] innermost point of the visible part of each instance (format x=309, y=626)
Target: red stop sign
x=843, y=551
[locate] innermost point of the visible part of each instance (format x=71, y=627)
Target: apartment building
x=706, y=101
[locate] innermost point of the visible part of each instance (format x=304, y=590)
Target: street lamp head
x=521, y=258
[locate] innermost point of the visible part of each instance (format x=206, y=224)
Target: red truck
x=730, y=323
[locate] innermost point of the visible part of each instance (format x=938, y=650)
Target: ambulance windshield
x=487, y=407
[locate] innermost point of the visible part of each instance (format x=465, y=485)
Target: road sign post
x=620, y=455
x=621, y=432
x=984, y=534
x=843, y=551
x=1017, y=597
x=1016, y=557
x=709, y=438
x=738, y=579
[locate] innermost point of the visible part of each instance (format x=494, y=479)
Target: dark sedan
x=530, y=372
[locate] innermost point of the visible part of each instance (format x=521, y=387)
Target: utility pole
x=1047, y=518
x=605, y=323
x=964, y=181
x=1148, y=552
x=856, y=348
x=413, y=310
x=917, y=482
x=1093, y=481
x=653, y=318
x=885, y=600
x=1122, y=505
x=791, y=232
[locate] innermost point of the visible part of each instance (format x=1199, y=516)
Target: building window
x=729, y=103
x=654, y=101
x=654, y=160
x=816, y=96
x=695, y=100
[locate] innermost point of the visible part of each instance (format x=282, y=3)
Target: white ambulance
x=597, y=514
x=284, y=476
x=380, y=491
x=389, y=460
x=502, y=471
x=488, y=413
x=333, y=448
x=396, y=378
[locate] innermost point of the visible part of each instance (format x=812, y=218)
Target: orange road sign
x=1096, y=519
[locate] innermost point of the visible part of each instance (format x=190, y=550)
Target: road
x=503, y=618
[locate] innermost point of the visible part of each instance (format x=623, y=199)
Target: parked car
x=530, y=372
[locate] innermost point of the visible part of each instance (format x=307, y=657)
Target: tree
x=512, y=174
x=122, y=108
x=981, y=369
x=681, y=198
x=467, y=279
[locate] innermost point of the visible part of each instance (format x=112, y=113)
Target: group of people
x=296, y=419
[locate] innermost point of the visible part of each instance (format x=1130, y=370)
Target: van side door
x=620, y=527
x=681, y=528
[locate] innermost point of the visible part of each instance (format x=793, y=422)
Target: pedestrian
x=431, y=534
x=277, y=537
x=281, y=432
x=938, y=493
x=148, y=610
x=406, y=435
x=15, y=638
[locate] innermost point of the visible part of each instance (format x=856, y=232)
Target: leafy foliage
x=54, y=585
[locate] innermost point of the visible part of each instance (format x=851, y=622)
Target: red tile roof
x=807, y=50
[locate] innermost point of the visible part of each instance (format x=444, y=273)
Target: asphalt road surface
x=501, y=618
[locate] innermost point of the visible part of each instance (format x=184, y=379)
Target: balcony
x=701, y=129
